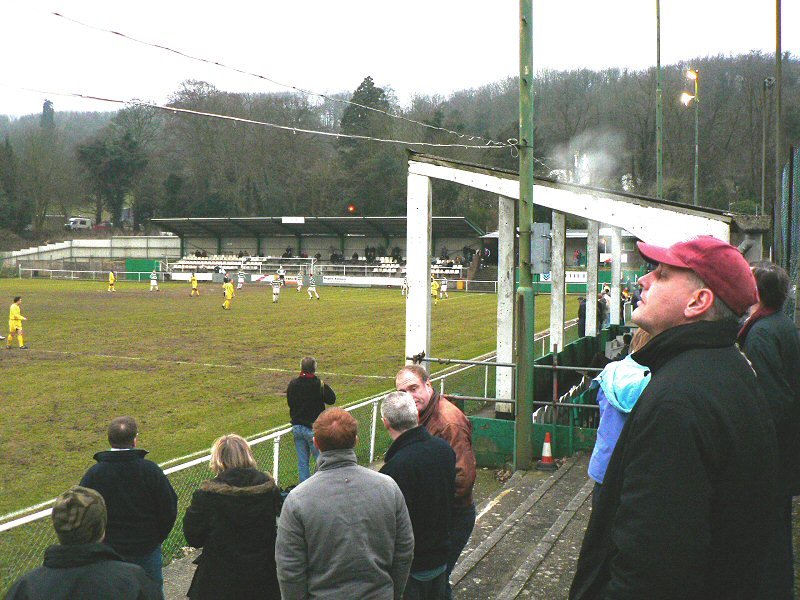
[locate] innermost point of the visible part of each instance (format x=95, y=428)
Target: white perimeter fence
x=354, y=272
x=25, y=534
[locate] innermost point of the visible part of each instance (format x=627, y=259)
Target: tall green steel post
x=659, y=108
x=778, y=101
x=523, y=446
x=696, y=137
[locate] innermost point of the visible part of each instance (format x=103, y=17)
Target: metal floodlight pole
x=768, y=83
x=523, y=422
x=659, y=108
x=778, y=82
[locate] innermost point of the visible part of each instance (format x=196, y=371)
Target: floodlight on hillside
x=687, y=98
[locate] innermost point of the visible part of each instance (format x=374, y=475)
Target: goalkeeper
x=15, y=320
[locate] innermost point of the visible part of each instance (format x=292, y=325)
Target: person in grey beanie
x=80, y=565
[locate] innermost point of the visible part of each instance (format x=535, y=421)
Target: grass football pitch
x=189, y=371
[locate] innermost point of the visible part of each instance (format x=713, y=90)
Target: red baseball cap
x=720, y=265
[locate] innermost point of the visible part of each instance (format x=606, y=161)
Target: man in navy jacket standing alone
x=142, y=506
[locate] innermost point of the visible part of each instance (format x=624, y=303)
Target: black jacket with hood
x=232, y=518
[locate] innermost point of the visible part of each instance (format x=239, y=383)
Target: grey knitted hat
x=79, y=516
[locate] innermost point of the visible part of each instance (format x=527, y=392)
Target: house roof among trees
x=386, y=227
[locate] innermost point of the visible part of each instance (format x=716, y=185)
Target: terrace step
x=515, y=538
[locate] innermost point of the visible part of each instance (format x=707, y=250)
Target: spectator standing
x=344, y=533
x=582, y=317
x=307, y=396
x=443, y=419
x=425, y=469
x=232, y=518
x=80, y=565
x=685, y=506
x=606, y=299
x=769, y=340
x=142, y=506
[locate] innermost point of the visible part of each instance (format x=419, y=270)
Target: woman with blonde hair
x=232, y=518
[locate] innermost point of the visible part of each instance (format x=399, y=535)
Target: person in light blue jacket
x=619, y=386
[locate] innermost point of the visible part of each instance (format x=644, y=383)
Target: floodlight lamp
x=686, y=98
x=691, y=74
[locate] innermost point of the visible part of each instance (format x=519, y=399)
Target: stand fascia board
x=660, y=225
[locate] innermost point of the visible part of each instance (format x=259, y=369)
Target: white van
x=78, y=223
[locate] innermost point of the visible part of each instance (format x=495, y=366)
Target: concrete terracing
x=527, y=539
x=525, y=543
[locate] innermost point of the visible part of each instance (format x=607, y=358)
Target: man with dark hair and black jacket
x=80, y=565
x=142, y=506
x=686, y=505
x=769, y=340
x=307, y=396
x=424, y=467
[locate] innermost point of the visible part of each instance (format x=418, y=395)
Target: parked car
x=78, y=223
x=104, y=225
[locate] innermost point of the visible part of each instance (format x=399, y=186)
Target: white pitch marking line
x=213, y=365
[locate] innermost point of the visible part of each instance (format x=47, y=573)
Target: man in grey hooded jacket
x=344, y=532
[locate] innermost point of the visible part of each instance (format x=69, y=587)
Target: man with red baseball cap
x=685, y=507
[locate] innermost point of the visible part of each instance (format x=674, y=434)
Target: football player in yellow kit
x=228, y=288
x=15, y=320
x=434, y=290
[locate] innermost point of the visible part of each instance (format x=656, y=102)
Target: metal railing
x=25, y=534
x=96, y=275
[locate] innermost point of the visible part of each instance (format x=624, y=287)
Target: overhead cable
x=468, y=137
x=176, y=110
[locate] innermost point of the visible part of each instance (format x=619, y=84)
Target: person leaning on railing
x=232, y=518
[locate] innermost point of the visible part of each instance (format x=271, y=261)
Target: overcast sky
x=414, y=46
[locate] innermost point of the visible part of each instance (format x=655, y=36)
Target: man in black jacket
x=424, y=468
x=769, y=339
x=142, y=506
x=685, y=507
x=307, y=396
x=80, y=566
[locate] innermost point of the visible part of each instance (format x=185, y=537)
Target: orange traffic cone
x=547, y=463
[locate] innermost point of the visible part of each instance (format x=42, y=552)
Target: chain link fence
x=23, y=539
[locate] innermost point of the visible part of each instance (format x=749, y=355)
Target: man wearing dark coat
x=424, y=467
x=307, y=396
x=686, y=503
x=142, y=505
x=582, y=317
x=80, y=565
x=770, y=341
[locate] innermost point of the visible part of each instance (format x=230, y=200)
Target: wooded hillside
x=171, y=164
